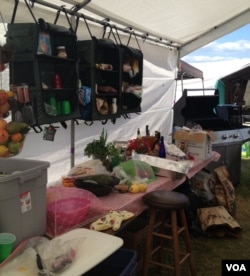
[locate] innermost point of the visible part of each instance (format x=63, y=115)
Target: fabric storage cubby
x=36, y=64
x=100, y=76
x=132, y=76
x=111, y=79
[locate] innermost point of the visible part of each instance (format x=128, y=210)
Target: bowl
x=69, y=212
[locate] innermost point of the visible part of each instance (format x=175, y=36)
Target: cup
x=66, y=108
x=53, y=106
x=6, y=245
x=57, y=81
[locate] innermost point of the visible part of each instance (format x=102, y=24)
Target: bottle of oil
x=162, y=150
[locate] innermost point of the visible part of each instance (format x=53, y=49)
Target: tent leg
x=72, y=148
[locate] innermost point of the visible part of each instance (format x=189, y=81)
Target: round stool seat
x=169, y=200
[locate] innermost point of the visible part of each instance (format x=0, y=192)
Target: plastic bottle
x=114, y=106
x=162, y=150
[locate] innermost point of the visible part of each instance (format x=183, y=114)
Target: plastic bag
x=90, y=167
x=57, y=193
x=23, y=265
x=134, y=170
x=59, y=254
x=203, y=185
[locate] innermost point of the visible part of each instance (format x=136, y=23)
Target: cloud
x=207, y=58
x=234, y=46
x=240, y=45
x=224, y=51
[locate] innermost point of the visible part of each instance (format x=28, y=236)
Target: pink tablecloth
x=134, y=202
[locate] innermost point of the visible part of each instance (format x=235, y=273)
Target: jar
x=61, y=52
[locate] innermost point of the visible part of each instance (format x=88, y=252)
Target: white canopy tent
x=164, y=30
x=187, y=24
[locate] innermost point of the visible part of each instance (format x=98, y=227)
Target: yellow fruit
x=10, y=94
x=134, y=188
x=3, y=150
x=142, y=187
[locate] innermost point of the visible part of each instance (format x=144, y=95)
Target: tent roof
x=185, y=24
x=187, y=71
x=241, y=74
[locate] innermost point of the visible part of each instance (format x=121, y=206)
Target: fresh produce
x=5, y=102
x=12, y=135
x=103, y=179
x=133, y=187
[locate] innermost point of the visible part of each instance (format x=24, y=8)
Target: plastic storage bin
x=120, y=263
x=23, y=197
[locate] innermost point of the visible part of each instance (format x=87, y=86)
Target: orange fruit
x=3, y=123
x=3, y=97
x=4, y=107
x=16, y=137
x=4, y=136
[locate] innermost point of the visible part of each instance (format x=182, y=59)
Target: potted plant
x=101, y=149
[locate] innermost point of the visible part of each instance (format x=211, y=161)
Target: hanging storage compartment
x=100, y=76
x=52, y=80
x=132, y=77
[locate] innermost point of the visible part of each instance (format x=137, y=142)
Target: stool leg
x=149, y=241
x=187, y=241
x=174, y=228
x=162, y=240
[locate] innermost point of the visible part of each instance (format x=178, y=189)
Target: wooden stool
x=162, y=202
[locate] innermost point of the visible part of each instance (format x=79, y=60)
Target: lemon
x=3, y=150
x=134, y=188
x=142, y=187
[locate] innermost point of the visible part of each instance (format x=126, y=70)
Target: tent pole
x=72, y=140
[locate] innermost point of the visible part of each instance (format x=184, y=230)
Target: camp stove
x=224, y=120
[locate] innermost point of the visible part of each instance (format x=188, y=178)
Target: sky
x=224, y=55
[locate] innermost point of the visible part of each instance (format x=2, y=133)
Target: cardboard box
x=196, y=143
x=165, y=167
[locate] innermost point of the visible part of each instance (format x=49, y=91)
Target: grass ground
x=209, y=252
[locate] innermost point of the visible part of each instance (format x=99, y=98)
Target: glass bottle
x=138, y=133
x=147, y=131
x=162, y=150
